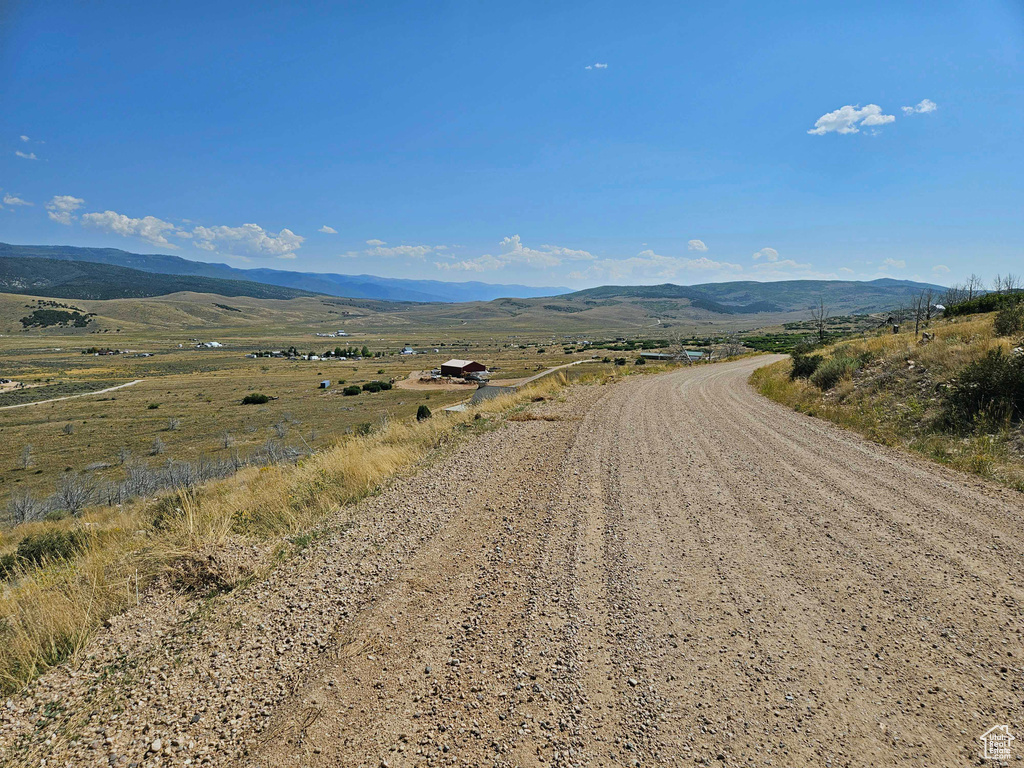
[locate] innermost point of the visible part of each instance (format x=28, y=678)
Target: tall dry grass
x=48, y=612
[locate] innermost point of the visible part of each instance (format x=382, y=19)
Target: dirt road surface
x=671, y=571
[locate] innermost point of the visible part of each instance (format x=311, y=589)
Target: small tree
x=819, y=318
x=123, y=455
x=173, y=424
x=69, y=429
x=423, y=413
x=157, y=448
x=26, y=459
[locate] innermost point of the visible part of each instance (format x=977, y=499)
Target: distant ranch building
x=459, y=368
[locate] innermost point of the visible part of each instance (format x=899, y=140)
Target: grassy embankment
x=49, y=610
x=939, y=398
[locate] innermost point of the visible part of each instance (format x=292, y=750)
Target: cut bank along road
x=671, y=571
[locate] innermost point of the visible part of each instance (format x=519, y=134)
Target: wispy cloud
x=26, y=155
x=596, y=66
x=23, y=137
x=923, y=107
x=893, y=264
x=696, y=245
x=512, y=251
x=328, y=230
x=61, y=208
x=940, y=269
x=768, y=254
x=648, y=265
x=850, y=119
x=10, y=199
x=375, y=242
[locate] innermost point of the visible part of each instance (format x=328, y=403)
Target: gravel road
x=667, y=571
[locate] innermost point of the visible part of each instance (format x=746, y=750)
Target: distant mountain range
x=86, y=280
x=349, y=286
x=108, y=273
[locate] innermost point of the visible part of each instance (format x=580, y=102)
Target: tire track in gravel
x=667, y=571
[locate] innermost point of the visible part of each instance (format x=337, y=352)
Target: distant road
x=69, y=397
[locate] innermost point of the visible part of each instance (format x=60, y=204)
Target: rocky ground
x=667, y=571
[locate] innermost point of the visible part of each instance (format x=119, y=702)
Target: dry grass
x=47, y=613
x=895, y=396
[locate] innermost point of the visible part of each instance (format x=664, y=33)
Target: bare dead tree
x=73, y=493
x=26, y=459
x=819, y=318
x=975, y=285
x=23, y=508
x=1013, y=282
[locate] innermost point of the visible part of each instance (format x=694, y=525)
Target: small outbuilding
x=459, y=368
x=325, y=384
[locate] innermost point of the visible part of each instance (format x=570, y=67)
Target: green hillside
x=86, y=280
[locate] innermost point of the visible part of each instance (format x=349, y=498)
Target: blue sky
x=543, y=143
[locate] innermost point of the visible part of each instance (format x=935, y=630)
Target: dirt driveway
x=670, y=571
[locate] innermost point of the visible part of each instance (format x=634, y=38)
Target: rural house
x=459, y=368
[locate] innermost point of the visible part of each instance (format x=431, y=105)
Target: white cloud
x=10, y=199
x=23, y=137
x=696, y=245
x=923, y=107
x=845, y=271
x=847, y=119
x=61, y=208
x=940, y=269
x=249, y=239
x=375, y=242
x=768, y=254
x=513, y=252
x=648, y=265
x=328, y=230
x=894, y=264
x=596, y=66
x=149, y=228
x=407, y=251
x=26, y=155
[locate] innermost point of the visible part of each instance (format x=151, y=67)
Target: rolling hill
x=750, y=297
x=351, y=286
x=87, y=280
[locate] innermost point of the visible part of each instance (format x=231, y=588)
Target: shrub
x=351, y=390
x=422, y=413
x=829, y=372
x=1010, y=320
x=50, y=545
x=620, y=361
x=991, y=388
x=8, y=566
x=376, y=386
x=255, y=398
x=804, y=365
x=153, y=406
x=606, y=360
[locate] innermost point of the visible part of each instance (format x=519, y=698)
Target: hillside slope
x=87, y=280
x=748, y=296
x=351, y=286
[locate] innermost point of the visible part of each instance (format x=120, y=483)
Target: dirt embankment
x=668, y=571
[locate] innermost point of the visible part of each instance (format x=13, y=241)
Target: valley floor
x=665, y=571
